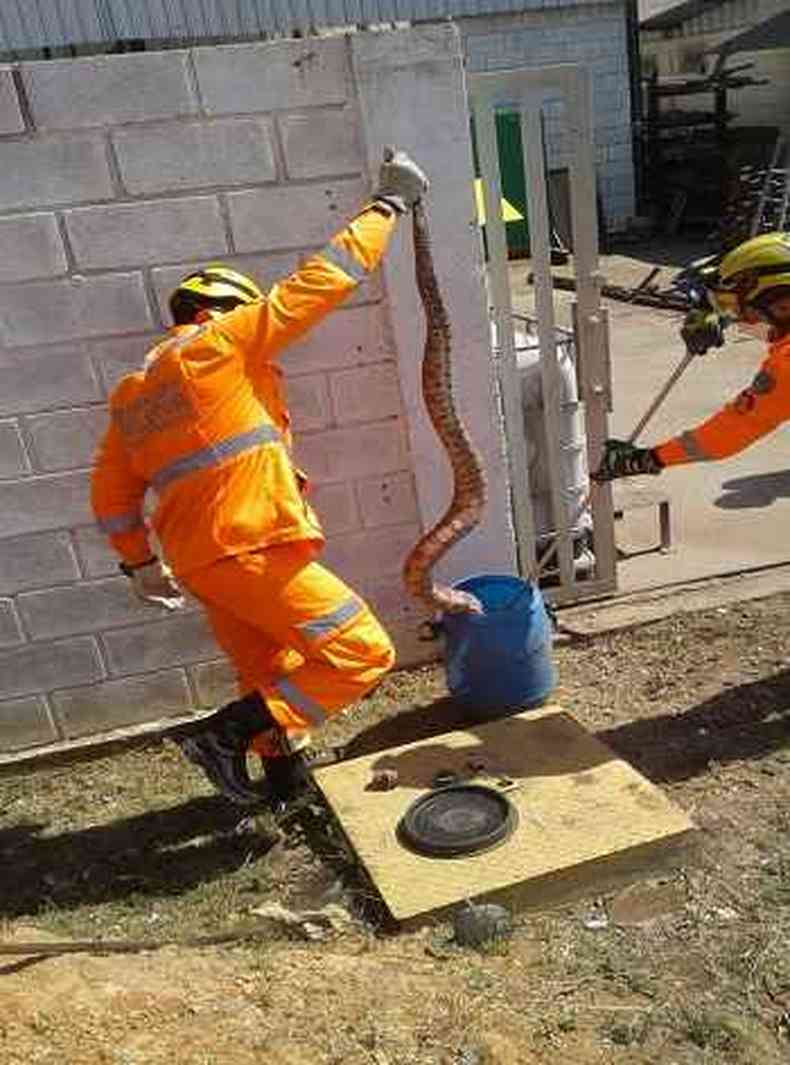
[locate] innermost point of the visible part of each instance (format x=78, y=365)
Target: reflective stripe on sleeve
x=317, y=628
x=121, y=523
x=345, y=261
x=693, y=448
x=214, y=454
x=314, y=713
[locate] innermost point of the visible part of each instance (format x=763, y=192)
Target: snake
x=470, y=491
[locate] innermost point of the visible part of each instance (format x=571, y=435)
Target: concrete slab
x=726, y=516
x=586, y=819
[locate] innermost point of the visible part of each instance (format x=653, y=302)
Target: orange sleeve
x=117, y=494
x=754, y=413
x=321, y=283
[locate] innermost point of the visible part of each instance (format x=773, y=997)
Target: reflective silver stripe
x=325, y=625
x=214, y=454
x=692, y=447
x=121, y=523
x=346, y=261
x=301, y=702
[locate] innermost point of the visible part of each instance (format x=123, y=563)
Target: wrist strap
x=128, y=568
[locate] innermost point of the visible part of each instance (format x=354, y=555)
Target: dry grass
x=135, y=845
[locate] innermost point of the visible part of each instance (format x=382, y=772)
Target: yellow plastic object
x=509, y=212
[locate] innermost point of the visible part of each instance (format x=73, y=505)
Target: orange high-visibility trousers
x=294, y=632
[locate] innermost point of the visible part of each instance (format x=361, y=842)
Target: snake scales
x=469, y=481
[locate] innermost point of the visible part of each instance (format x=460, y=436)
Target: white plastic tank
x=574, y=472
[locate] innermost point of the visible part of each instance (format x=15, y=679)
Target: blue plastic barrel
x=500, y=660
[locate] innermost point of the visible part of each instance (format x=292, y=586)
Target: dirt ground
x=692, y=967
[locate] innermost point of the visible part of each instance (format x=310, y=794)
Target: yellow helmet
x=750, y=274
x=217, y=287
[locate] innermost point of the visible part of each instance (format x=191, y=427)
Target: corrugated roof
x=680, y=13
x=773, y=33
x=28, y=25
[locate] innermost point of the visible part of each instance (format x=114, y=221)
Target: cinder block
x=345, y=338
x=261, y=77
x=410, y=650
x=321, y=142
x=11, y=118
x=365, y=394
x=215, y=682
x=292, y=216
x=178, y=640
x=33, y=380
x=86, y=607
x=10, y=631
x=336, y=507
x=387, y=500
x=140, y=233
x=97, y=557
x=36, y=561
x=195, y=155
x=13, y=460
x=46, y=171
x=116, y=357
x=340, y=453
x=66, y=439
x=40, y=667
x=78, y=307
x=106, y=90
x=116, y=703
x=308, y=400
x=30, y=247
x=391, y=603
x=24, y=723
x=373, y=552
x=36, y=504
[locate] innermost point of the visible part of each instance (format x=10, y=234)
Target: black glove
x=702, y=329
x=621, y=459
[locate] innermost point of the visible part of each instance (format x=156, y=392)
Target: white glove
x=401, y=182
x=154, y=584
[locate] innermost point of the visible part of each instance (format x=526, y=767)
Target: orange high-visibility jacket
x=205, y=422
x=754, y=413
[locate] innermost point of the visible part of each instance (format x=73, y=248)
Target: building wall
x=690, y=49
x=593, y=35
x=120, y=174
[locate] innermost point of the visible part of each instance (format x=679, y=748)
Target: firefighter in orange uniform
x=204, y=424
x=752, y=286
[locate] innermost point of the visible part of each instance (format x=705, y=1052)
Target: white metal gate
x=528, y=92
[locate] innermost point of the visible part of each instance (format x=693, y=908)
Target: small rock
x=475, y=925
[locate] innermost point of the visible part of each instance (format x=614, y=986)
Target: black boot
x=286, y=777
x=218, y=745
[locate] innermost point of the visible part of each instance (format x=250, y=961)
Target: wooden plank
x=505, y=362
x=540, y=248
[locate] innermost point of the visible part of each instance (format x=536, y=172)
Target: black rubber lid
x=458, y=820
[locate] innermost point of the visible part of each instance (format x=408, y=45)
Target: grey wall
x=119, y=174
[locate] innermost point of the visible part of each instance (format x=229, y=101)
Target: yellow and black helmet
x=751, y=275
x=216, y=287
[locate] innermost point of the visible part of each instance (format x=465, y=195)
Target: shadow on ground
x=740, y=723
x=162, y=852
x=743, y=722
x=168, y=852
x=755, y=490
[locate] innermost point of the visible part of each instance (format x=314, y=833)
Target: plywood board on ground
x=586, y=818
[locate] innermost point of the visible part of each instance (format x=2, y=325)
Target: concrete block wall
x=594, y=36
x=120, y=174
